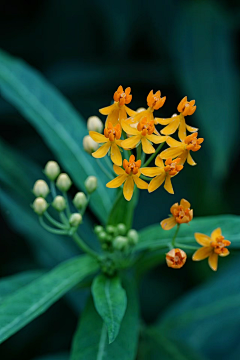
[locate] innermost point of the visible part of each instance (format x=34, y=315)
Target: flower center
x=112, y=132
x=182, y=215
x=192, y=142
x=177, y=259
x=131, y=166
x=122, y=97
x=172, y=166
x=219, y=245
x=145, y=127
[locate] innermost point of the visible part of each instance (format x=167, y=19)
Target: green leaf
x=18, y=309
x=57, y=121
x=110, y=301
x=90, y=340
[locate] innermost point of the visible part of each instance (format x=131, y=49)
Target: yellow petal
x=139, y=182
x=128, y=188
x=122, y=114
x=172, y=127
x=182, y=133
x=102, y=151
x=146, y=146
x=202, y=253
x=191, y=129
x=99, y=138
x=139, y=116
x=168, y=224
x=130, y=112
x=183, y=157
x=116, y=154
x=202, y=239
x=113, y=117
x=213, y=261
x=156, y=182
x=151, y=171
x=128, y=129
x=185, y=204
x=156, y=139
x=190, y=159
x=107, y=110
x=118, y=170
x=131, y=142
x=168, y=185
x=174, y=143
x=216, y=233
x=159, y=162
x=118, y=181
x=163, y=121
x=172, y=153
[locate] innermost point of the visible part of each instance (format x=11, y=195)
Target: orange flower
x=182, y=148
x=176, y=258
x=128, y=176
x=178, y=121
x=180, y=214
x=162, y=173
x=212, y=247
x=144, y=134
x=118, y=110
x=110, y=139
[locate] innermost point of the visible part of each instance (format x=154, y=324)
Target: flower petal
x=130, y=112
x=122, y=114
x=202, y=239
x=138, y=117
x=151, y=171
x=113, y=117
x=185, y=204
x=163, y=121
x=168, y=185
x=168, y=224
x=174, y=143
x=99, y=138
x=116, y=155
x=146, y=146
x=118, y=181
x=128, y=188
x=226, y=253
x=156, y=182
x=156, y=139
x=213, y=261
x=183, y=157
x=172, y=152
x=190, y=159
x=131, y=142
x=202, y=253
x=102, y=151
x=139, y=182
x=172, y=127
x=191, y=129
x=159, y=162
x=118, y=170
x=182, y=132
x=107, y=110
x=216, y=233
x=128, y=129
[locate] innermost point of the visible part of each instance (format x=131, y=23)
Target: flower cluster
x=129, y=136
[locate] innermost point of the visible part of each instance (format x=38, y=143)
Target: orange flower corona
x=131, y=166
x=147, y=128
x=155, y=101
x=176, y=258
x=112, y=132
x=219, y=245
x=186, y=107
x=180, y=214
x=193, y=143
x=123, y=97
x=172, y=166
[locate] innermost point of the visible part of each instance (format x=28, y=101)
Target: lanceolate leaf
x=110, y=301
x=30, y=301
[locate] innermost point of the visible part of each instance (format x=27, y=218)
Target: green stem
x=109, y=164
x=67, y=204
x=64, y=218
x=53, y=189
x=189, y=247
x=144, y=177
x=104, y=170
x=139, y=151
x=153, y=155
x=85, y=207
x=54, y=222
x=174, y=237
x=51, y=230
x=84, y=246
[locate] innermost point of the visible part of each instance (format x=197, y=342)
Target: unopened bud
x=102, y=235
x=174, y=115
x=40, y=188
x=120, y=243
x=140, y=109
x=110, y=229
x=91, y=184
x=40, y=206
x=63, y=182
x=89, y=144
x=75, y=220
x=132, y=237
x=80, y=200
x=94, y=124
x=98, y=229
x=59, y=203
x=121, y=229
x=52, y=170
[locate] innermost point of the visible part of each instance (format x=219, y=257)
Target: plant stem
x=189, y=247
x=109, y=164
x=54, y=222
x=104, y=170
x=67, y=203
x=139, y=151
x=51, y=230
x=175, y=235
x=53, y=189
x=144, y=177
x=153, y=155
x=84, y=246
x=63, y=218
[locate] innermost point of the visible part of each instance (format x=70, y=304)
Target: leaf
x=110, y=301
x=18, y=309
x=56, y=120
x=90, y=340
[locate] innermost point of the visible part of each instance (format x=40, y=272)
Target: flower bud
x=89, y=144
x=110, y=229
x=121, y=229
x=176, y=258
x=63, y=182
x=94, y=124
x=59, y=203
x=141, y=109
x=133, y=237
x=75, y=219
x=80, y=200
x=120, y=243
x=102, y=235
x=40, y=206
x=91, y=184
x=98, y=229
x=52, y=170
x=40, y=188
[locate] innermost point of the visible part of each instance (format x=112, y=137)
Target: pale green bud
x=40, y=206
x=120, y=243
x=133, y=237
x=80, y=200
x=121, y=229
x=40, y=188
x=59, y=203
x=94, y=124
x=52, y=170
x=98, y=229
x=102, y=235
x=110, y=229
x=63, y=182
x=89, y=144
x=75, y=219
x=91, y=184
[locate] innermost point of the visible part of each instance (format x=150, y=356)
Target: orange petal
x=128, y=188
x=185, y=204
x=99, y=138
x=202, y=239
x=147, y=147
x=202, y=253
x=139, y=182
x=213, y=261
x=151, y=171
x=172, y=127
x=156, y=182
x=116, y=154
x=168, y=224
x=216, y=233
x=118, y=181
x=118, y=170
x=225, y=253
x=102, y=151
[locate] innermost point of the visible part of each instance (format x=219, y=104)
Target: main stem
x=175, y=235
x=153, y=155
x=84, y=246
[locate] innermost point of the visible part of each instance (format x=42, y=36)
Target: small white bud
x=174, y=115
x=121, y=229
x=91, y=184
x=75, y=220
x=94, y=124
x=120, y=243
x=140, y=109
x=133, y=237
x=59, y=203
x=52, y=170
x=63, y=182
x=80, y=200
x=40, y=206
x=89, y=144
x=40, y=188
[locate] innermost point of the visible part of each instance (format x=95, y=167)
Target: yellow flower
x=182, y=148
x=162, y=173
x=176, y=258
x=181, y=214
x=144, y=134
x=118, y=110
x=110, y=139
x=128, y=176
x=211, y=247
x=178, y=121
